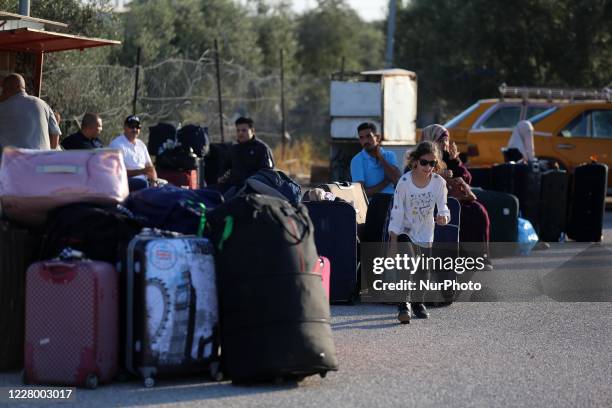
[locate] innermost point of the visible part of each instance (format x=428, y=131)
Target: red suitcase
x=72, y=323
x=187, y=178
x=323, y=268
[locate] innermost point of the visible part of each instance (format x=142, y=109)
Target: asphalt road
x=521, y=354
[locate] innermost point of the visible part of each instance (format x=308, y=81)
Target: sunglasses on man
x=431, y=163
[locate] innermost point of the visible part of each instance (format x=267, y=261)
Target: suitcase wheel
x=24, y=377
x=149, y=382
x=215, y=372
x=323, y=374
x=91, y=381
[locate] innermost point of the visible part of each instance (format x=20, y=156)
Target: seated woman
x=474, y=218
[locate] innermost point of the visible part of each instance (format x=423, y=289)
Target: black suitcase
x=335, y=234
x=524, y=181
x=18, y=249
x=171, y=306
x=588, y=203
x=216, y=162
x=481, y=177
x=275, y=313
x=503, y=211
x=158, y=135
x=553, y=205
x=196, y=137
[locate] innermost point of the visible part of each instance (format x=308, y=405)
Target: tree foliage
x=463, y=51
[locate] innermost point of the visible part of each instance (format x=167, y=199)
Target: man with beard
x=376, y=169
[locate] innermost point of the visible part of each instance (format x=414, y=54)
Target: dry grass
x=299, y=156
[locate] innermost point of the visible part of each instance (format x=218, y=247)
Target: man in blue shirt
x=377, y=170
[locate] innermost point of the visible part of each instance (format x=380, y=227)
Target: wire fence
x=181, y=91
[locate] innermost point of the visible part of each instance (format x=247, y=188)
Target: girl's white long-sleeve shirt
x=413, y=208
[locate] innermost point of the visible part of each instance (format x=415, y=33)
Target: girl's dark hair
x=422, y=149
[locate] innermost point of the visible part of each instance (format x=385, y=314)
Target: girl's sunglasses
x=424, y=162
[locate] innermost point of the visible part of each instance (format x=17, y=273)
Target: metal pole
x=24, y=7
x=219, y=92
x=390, y=33
x=282, y=90
x=136, y=73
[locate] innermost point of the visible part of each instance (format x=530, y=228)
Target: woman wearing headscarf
x=474, y=217
x=522, y=140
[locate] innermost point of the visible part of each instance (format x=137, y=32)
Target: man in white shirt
x=138, y=163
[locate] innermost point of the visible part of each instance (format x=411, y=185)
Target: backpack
x=158, y=135
x=97, y=231
x=196, y=137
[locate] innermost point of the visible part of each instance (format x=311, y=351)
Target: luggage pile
x=165, y=282
x=179, y=153
x=552, y=203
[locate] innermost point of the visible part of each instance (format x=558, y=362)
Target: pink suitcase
x=323, y=268
x=72, y=323
x=33, y=182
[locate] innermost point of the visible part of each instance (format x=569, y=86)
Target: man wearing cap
x=138, y=163
x=87, y=137
x=376, y=169
x=25, y=120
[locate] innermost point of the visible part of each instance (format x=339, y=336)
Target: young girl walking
x=417, y=193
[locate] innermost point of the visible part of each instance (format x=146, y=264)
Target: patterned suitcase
x=171, y=306
x=72, y=323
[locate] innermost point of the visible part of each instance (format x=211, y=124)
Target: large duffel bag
x=97, y=231
x=32, y=182
x=172, y=208
x=265, y=259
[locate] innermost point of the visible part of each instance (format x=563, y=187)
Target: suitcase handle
x=343, y=185
x=58, y=272
x=60, y=168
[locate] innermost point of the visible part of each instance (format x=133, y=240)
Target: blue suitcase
x=446, y=244
x=335, y=225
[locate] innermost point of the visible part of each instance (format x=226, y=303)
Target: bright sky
x=368, y=9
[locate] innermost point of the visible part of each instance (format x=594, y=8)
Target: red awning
x=37, y=41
